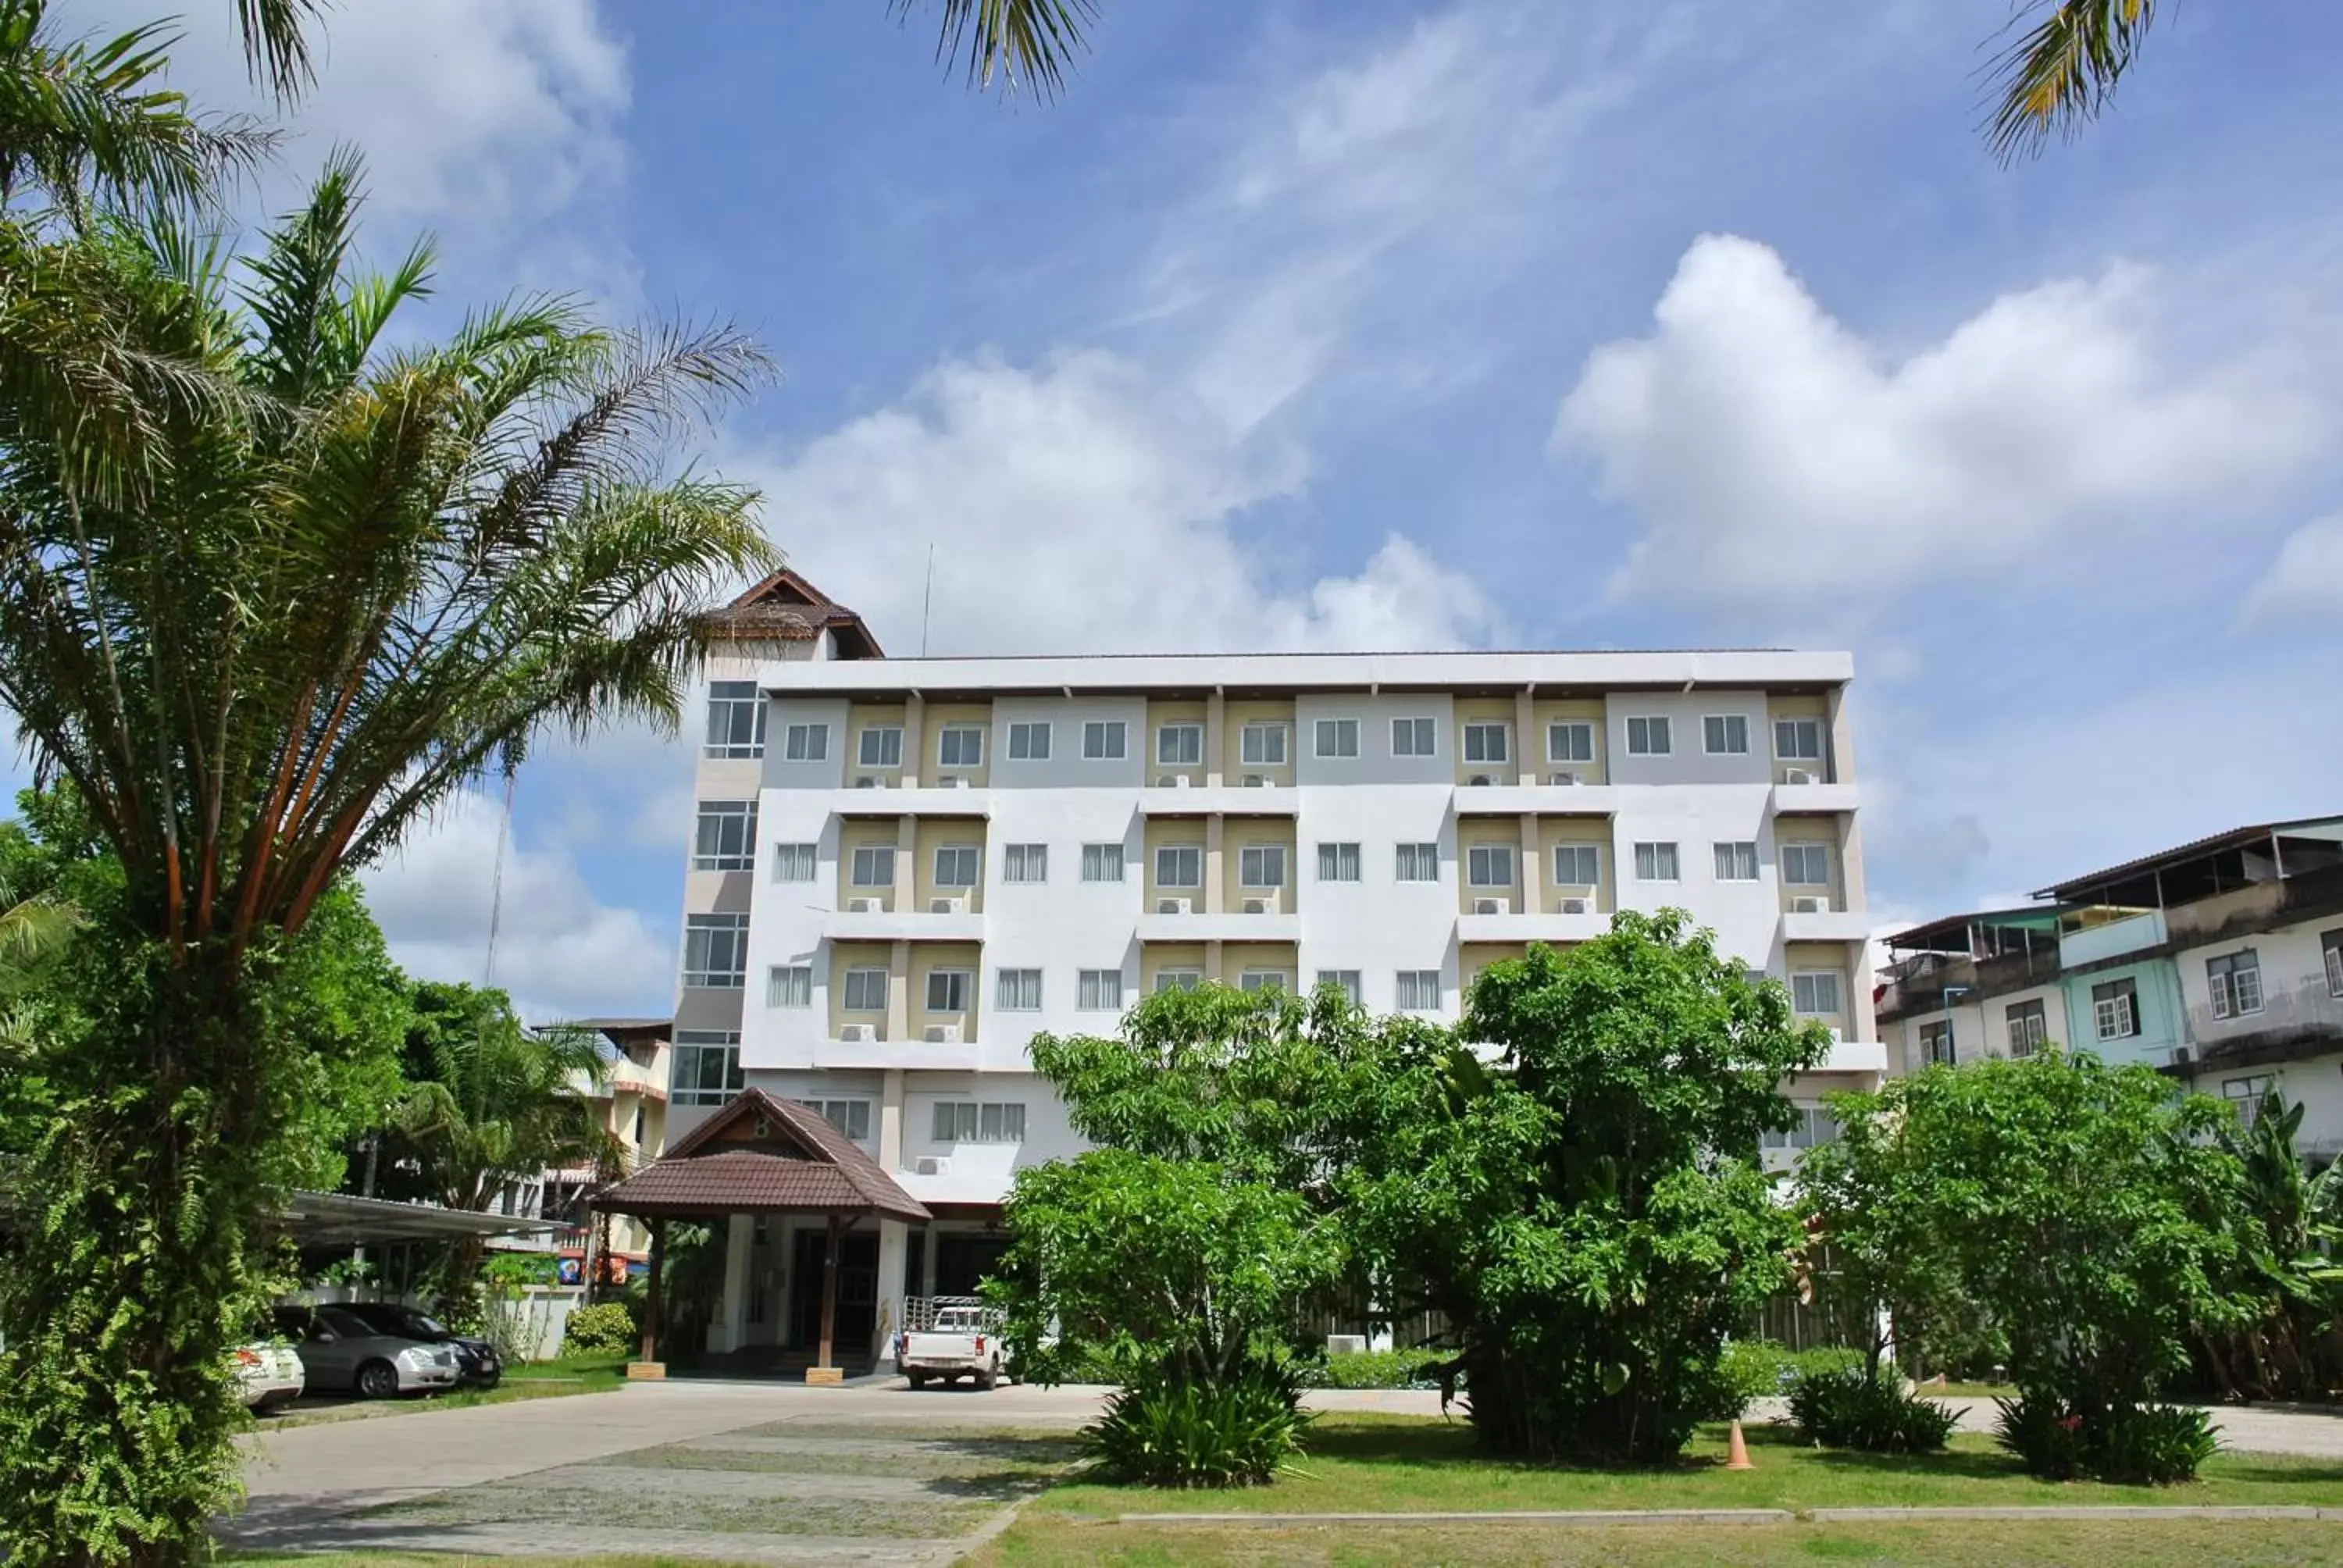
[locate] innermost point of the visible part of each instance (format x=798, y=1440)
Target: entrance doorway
x=962, y=1260
x=858, y=1292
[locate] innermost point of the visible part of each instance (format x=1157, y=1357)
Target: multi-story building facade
x=903, y=870
x=2218, y=961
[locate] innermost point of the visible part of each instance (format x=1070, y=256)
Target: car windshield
x=347, y=1323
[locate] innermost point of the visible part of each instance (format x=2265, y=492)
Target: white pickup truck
x=949, y=1338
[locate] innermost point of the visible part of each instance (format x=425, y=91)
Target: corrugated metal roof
x=2211, y=844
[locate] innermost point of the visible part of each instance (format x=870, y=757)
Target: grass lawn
x=533, y=1380
x=1362, y=1463
x=1037, y=1542
x=459, y=1560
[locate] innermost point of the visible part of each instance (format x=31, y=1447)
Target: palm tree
x=2057, y=74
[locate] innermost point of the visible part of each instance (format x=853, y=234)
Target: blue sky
x=1323, y=322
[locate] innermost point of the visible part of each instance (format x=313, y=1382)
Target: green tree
x=2087, y=1216
x=2057, y=74
x=1587, y=1213
x=487, y=1103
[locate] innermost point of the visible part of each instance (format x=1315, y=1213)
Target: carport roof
x=344, y=1219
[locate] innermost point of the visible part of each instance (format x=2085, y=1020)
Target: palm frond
x=1021, y=43
x=276, y=44
x=2057, y=74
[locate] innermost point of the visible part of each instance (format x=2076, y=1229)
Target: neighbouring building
x=902, y=869
x=2219, y=962
x=628, y=1101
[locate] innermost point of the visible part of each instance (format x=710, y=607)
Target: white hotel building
x=905, y=868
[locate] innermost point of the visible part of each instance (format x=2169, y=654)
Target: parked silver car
x=339, y=1350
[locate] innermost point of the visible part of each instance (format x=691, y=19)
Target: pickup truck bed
x=960, y=1342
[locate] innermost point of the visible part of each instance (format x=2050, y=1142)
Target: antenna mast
x=928, y=599
x=497, y=880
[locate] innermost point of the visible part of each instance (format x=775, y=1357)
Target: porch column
x=732, y=1331
x=830, y=1297
x=894, y=1237
x=648, y=1362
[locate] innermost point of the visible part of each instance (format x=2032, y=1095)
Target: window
x=1812, y=1128
x=726, y=837
x=1265, y=979
x=1725, y=735
x=706, y=1067
x=974, y=1121
x=882, y=745
x=1262, y=745
x=1418, y=863
x=1260, y=866
x=959, y=746
x=1018, y=990
x=1489, y=865
x=1100, y=992
x=1179, y=745
x=2248, y=1093
x=1798, y=739
x=1338, y=737
x=874, y=866
x=1344, y=981
x=866, y=991
x=1577, y=865
x=1736, y=862
x=1030, y=741
x=789, y=986
x=1814, y=993
x=1419, y=990
x=806, y=743
x=1102, y=862
x=1338, y=862
x=957, y=865
x=1936, y=1042
x=1180, y=866
x=2029, y=1026
x=1025, y=863
x=1648, y=736
x=2236, y=981
x=2332, y=944
x=1570, y=742
x=948, y=990
x=716, y=952
x=1102, y=740
x=1805, y=865
x=795, y=862
x=2115, y=1010
x=1655, y=863
x=1487, y=742
x=850, y=1117
x=736, y=720
x=1412, y=738
x=1177, y=979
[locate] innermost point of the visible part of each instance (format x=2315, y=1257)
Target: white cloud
x=1079, y=506
x=2305, y=583
x=471, y=116
x=559, y=951
x=1767, y=448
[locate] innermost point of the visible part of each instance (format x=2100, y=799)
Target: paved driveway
x=752, y=1472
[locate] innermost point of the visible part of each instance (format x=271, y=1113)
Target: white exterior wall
x=1377, y=926
x=2295, y=994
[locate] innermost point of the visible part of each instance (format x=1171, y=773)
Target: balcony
x=876, y=1055
x=2112, y=939
x=895, y=799
x=1238, y=925
x=1234, y=799
x=1824, y=925
x=1854, y=1056
x=1536, y=794
x=920, y=925
x=2292, y=1021
x=1818, y=797
x=1518, y=925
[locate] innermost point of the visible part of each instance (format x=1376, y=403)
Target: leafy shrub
x=1752, y=1369
x=2150, y=1445
x=604, y=1330
x=1375, y=1369
x=1165, y=1431
x=1844, y=1408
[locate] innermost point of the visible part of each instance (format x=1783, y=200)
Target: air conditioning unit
x=1169, y=780
x=866, y=906
x=1262, y=904
x=952, y=906
x=1493, y=905
x=857, y=1033
x=952, y=781
x=942, y=1034
x=933, y=1165
x=1482, y=781
x=1809, y=904
x=1797, y=775
x=1562, y=779
x=2181, y=1055
x=871, y=781
x=1174, y=906
x=1576, y=906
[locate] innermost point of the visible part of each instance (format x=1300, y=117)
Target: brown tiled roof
x=810, y=1166
x=787, y=608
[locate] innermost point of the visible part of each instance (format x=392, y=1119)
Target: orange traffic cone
x=1736, y=1451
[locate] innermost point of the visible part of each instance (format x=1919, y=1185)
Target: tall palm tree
x=2057, y=74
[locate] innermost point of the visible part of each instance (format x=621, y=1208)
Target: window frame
x=1583, y=728
x=961, y=979
x=1179, y=849
x=714, y=923
x=1027, y=730
x=1482, y=729
x=1185, y=728
x=1011, y=986
x=1113, y=736
x=1724, y=723
x=2106, y=998
x=2330, y=950
x=946, y=1123
x=800, y=982
x=1735, y=859
x=731, y=695
x=1489, y=852
x=974, y=862
x=1090, y=986
x=1249, y=856
x=805, y=740
x=1667, y=848
x=1337, y=726
x=1177, y=976
x=885, y=852
x=2027, y=1026
x=1258, y=979
x=787, y=857
x=967, y=735
x=1800, y=852
x=1264, y=727
x=1815, y=978
x=864, y=973
x=871, y=732
x=738, y=815
x=1095, y=857
x=1793, y=724
x=695, y=1045
x=1938, y=1046
x=1656, y=726
x=1334, y=853
x=2227, y=979
x=1024, y=865
x=1405, y=981
x=845, y=1128
x=1423, y=726
x=1421, y=849
x=1353, y=984
x=1574, y=849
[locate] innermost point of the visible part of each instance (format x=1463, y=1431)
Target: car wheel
x=377, y=1380
x=491, y=1380
x=987, y=1377
x=917, y=1379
